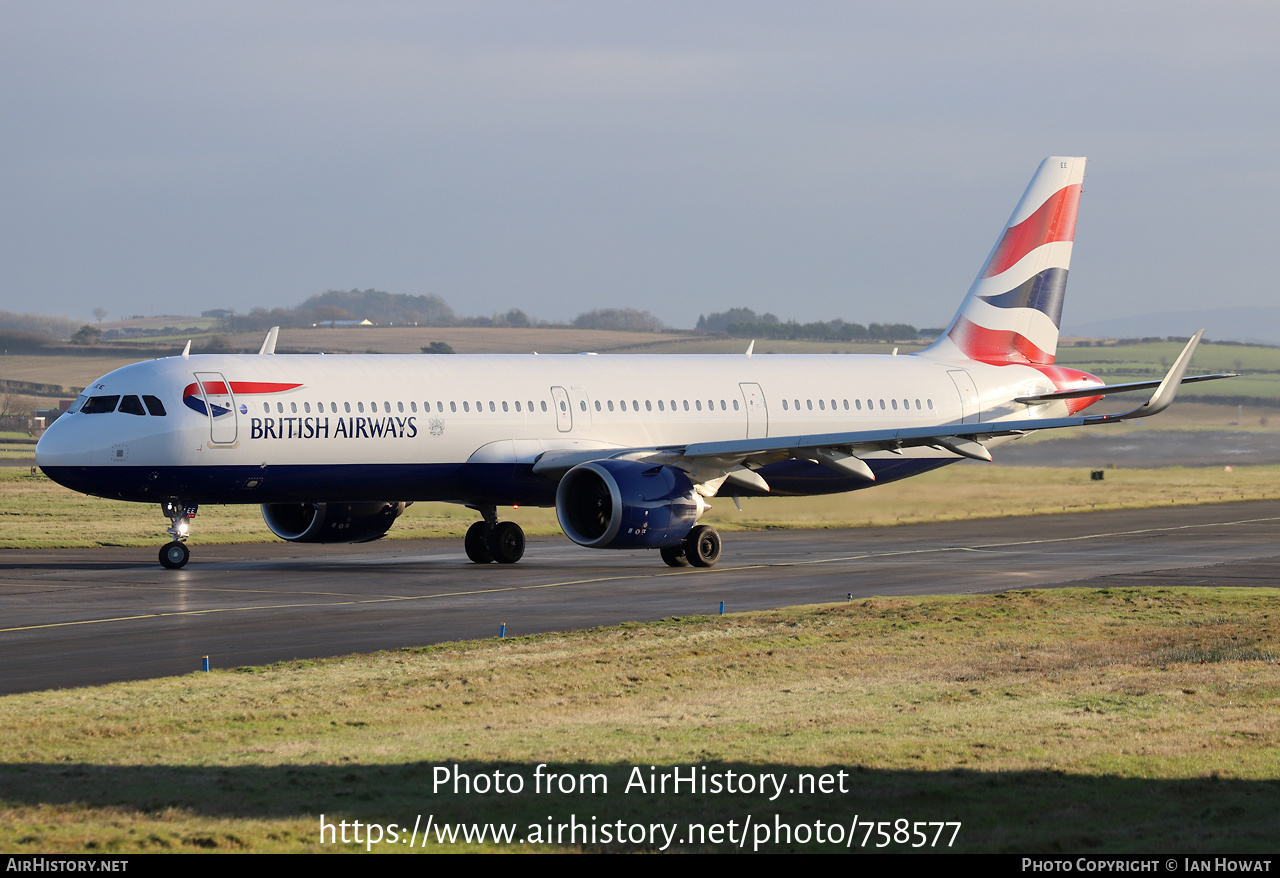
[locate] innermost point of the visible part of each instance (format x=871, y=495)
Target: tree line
x=745, y=323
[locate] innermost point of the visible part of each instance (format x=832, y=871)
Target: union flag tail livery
x=1013, y=310
x=628, y=449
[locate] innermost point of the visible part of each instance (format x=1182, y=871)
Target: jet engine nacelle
x=330, y=522
x=626, y=504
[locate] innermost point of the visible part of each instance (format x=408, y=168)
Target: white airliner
x=627, y=448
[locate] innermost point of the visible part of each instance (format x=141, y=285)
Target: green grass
x=1259, y=367
x=1070, y=721
x=1209, y=357
x=37, y=513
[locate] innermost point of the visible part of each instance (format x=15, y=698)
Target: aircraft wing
x=710, y=464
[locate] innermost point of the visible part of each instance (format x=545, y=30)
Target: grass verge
x=1090, y=721
x=37, y=513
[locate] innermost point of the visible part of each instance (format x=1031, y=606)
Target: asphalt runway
x=76, y=617
x=1099, y=447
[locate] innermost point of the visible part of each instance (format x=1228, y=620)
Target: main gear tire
x=477, y=544
x=702, y=546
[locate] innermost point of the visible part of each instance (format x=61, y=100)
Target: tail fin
x=1012, y=312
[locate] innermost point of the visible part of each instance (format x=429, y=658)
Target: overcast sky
x=812, y=159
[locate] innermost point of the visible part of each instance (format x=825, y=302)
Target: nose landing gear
x=175, y=555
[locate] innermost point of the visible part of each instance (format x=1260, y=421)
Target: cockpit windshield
x=129, y=405
x=98, y=405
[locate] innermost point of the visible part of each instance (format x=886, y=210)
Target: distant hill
x=1253, y=325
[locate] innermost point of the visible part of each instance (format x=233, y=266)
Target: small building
x=341, y=324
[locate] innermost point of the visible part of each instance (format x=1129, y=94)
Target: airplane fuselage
x=305, y=428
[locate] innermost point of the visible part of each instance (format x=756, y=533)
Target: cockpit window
x=131, y=405
x=99, y=404
x=155, y=406
x=75, y=406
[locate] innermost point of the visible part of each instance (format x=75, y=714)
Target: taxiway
x=87, y=616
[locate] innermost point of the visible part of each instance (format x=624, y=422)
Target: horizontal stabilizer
x=1105, y=389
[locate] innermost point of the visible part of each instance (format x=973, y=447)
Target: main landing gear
x=701, y=548
x=493, y=540
x=175, y=555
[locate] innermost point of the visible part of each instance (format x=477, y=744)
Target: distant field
x=1259, y=367
x=464, y=340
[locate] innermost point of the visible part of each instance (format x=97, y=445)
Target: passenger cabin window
x=98, y=405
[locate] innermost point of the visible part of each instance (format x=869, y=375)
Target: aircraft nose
x=59, y=446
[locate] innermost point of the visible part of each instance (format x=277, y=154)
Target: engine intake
x=625, y=504
x=331, y=522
